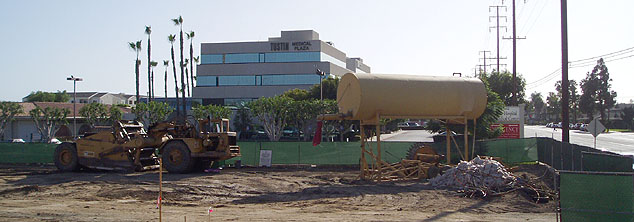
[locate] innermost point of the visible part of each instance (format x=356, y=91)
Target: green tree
x=94, y=113
x=190, y=36
x=553, y=106
x=298, y=94
x=597, y=94
x=627, y=115
x=150, y=75
x=502, y=84
x=179, y=22
x=573, y=98
x=243, y=119
x=536, y=105
x=8, y=111
x=330, y=89
x=171, y=39
x=136, y=47
x=40, y=96
x=48, y=120
x=212, y=111
x=152, y=112
x=273, y=112
x=114, y=114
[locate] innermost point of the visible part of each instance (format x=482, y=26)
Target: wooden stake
x=160, y=188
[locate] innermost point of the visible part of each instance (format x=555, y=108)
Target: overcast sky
x=43, y=42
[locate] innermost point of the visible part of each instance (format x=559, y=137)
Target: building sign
x=513, y=122
x=511, y=131
x=279, y=46
x=511, y=115
x=301, y=46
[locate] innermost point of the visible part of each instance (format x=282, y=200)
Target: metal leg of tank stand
x=448, y=140
x=362, y=164
x=466, y=139
x=474, y=137
x=378, y=149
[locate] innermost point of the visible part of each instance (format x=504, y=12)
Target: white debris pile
x=479, y=173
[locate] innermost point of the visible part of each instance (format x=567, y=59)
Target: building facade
x=235, y=72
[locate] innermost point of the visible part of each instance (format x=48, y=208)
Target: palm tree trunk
x=191, y=63
x=187, y=77
x=166, y=84
x=149, y=67
x=152, y=84
x=175, y=82
x=183, y=77
x=136, y=71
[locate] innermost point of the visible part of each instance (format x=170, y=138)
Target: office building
x=235, y=72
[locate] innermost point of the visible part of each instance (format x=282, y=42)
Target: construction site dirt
x=42, y=193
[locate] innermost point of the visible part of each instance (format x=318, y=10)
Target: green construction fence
x=561, y=156
x=27, y=152
x=596, y=196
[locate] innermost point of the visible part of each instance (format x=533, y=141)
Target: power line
x=623, y=51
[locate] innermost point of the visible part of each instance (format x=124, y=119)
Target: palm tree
x=166, y=63
x=148, y=31
x=186, y=76
x=136, y=47
x=190, y=36
x=152, y=64
x=179, y=22
x=171, y=39
x=196, y=62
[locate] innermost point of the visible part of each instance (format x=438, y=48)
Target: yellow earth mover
x=128, y=146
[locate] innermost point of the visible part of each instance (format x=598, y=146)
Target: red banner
x=511, y=131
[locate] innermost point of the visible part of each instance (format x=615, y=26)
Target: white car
x=18, y=141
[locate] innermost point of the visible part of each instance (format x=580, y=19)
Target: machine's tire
x=177, y=158
x=202, y=164
x=66, y=159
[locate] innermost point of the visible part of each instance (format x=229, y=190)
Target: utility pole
x=497, y=27
x=564, y=73
x=514, y=38
x=484, y=58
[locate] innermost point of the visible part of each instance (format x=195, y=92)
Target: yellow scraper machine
x=370, y=97
x=128, y=146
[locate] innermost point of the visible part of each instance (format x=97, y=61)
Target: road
x=622, y=143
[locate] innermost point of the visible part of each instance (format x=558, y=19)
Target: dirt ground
x=41, y=193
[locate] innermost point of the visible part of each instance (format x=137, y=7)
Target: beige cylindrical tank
x=364, y=95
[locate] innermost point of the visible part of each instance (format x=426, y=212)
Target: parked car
x=18, y=141
x=584, y=127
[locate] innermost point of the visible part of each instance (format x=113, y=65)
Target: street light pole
x=321, y=88
x=74, y=79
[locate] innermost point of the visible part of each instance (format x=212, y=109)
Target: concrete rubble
x=479, y=174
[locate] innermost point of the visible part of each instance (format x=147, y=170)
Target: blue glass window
x=262, y=57
x=236, y=80
x=297, y=79
x=292, y=57
x=258, y=80
x=242, y=58
x=206, y=81
x=211, y=59
x=237, y=101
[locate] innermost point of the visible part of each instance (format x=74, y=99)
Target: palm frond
x=138, y=45
x=148, y=30
x=153, y=63
x=166, y=62
x=171, y=38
